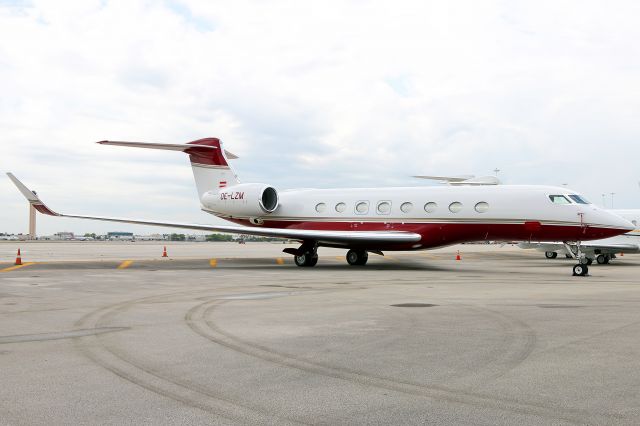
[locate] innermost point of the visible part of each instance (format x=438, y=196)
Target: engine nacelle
x=242, y=200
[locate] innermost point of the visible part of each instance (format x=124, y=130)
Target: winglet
x=32, y=197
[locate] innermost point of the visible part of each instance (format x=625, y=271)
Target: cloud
x=336, y=93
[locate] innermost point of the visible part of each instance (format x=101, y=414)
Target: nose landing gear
x=582, y=268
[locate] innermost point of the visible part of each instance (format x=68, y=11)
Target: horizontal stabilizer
x=183, y=147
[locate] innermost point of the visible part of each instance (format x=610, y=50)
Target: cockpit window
x=559, y=199
x=578, y=199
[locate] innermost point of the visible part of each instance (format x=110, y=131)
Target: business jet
x=373, y=220
x=602, y=251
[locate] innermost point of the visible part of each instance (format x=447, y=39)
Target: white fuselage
x=473, y=212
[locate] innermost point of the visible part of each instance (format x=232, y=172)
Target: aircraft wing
x=616, y=248
x=332, y=237
x=588, y=247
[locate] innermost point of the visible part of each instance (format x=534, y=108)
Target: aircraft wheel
x=306, y=259
x=550, y=254
x=357, y=257
x=580, y=270
x=602, y=259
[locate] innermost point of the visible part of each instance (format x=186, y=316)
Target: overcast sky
x=311, y=94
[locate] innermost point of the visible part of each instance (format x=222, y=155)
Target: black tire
x=300, y=260
x=568, y=256
x=601, y=259
x=352, y=257
x=550, y=254
x=364, y=256
x=607, y=258
x=357, y=257
x=580, y=270
x=306, y=259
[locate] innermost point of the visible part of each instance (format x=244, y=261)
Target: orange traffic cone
x=621, y=254
x=18, y=258
x=458, y=256
x=164, y=252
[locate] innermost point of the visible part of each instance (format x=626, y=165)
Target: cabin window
x=321, y=207
x=406, y=207
x=578, y=199
x=482, y=207
x=341, y=207
x=559, y=199
x=455, y=207
x=362, y=207
x=430, y=207
x=384, y=207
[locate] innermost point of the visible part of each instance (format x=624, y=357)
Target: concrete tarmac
x=221, y=333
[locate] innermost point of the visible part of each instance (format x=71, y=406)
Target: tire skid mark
x=520, y=340
x=150, y=379
x=198, y=319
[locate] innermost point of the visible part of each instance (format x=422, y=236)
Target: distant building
x=64, y=236
x=127, y=236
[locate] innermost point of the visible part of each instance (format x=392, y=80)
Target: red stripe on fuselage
x=441, y=234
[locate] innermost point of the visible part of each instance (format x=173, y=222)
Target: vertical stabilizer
x=211, y=169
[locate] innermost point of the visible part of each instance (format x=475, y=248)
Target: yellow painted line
x=280, y=261
x=13, y=268
x=125, y=264
x=213, y=263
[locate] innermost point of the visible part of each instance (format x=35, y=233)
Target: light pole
x=612, y=194
x=496, y=171
x=604, y=205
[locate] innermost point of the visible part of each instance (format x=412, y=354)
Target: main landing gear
x=603, y=259
x=306, y=259
x=307, y=255
x=357, y=257
x=550, y=254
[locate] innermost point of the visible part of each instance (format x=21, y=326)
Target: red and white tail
x=211, y=169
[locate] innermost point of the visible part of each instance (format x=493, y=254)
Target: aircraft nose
x=615, y=221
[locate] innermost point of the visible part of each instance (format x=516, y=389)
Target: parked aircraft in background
x=602, y=251
x=373, y=220
x=463, y=180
